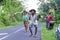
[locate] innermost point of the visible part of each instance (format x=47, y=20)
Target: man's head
x=33, y=11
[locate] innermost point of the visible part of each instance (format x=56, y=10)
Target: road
x=18, y=33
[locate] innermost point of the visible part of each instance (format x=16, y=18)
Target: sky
x=31, y=4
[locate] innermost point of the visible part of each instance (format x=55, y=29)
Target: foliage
x=49, y=34
x=10, y=7
x=53, y=6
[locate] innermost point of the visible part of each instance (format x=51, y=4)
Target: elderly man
x=33, y=21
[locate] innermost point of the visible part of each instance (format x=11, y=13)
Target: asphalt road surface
x=18, y=33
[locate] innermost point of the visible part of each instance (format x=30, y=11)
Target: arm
x=18, y=13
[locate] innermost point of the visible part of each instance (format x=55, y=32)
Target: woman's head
x=24, y=12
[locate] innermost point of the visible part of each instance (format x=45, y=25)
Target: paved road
x=18, y=33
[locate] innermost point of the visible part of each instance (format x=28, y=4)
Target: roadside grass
x=49, y=34
x=12, y=25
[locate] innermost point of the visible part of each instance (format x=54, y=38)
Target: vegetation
x=49, y=34
x=53, y=6
x=44, y=9
x=9, y=8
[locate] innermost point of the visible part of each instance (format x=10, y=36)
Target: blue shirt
x=25, y=17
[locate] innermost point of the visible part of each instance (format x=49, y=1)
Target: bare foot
x=34, y=36
x=26, y=31
x=30, y=35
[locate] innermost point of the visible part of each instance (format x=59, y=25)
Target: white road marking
x=19, y=30
x=3, y=34
x=11, y=33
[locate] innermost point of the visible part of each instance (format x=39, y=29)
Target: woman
x=25, y=20
x=49, y=19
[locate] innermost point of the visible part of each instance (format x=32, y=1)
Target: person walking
x=33, y=21
x=25, y=20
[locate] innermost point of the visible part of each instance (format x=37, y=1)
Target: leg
x=35, y=29
x=30, y=31
x=26, y=25
x=30, y=28
x=48, y=26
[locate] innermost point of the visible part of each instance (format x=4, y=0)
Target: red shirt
x=50, y=18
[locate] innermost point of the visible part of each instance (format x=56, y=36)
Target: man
x=33, y=21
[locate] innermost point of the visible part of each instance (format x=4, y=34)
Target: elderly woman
x=25, y=20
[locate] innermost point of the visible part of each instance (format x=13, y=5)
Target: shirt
x=25, y=17
x=49, y=18
x=33, y=18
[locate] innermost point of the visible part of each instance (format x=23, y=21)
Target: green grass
x=12, y=25
x=49, y=34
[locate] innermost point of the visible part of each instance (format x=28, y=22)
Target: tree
x=10, y=7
